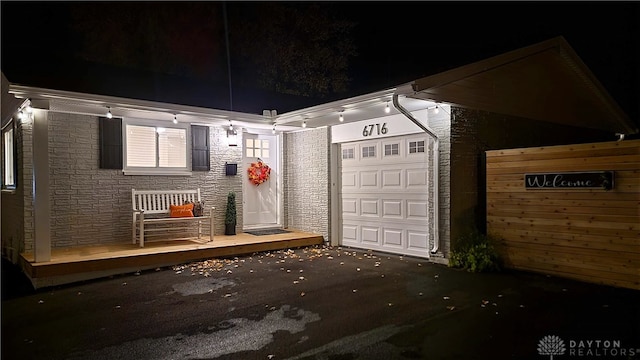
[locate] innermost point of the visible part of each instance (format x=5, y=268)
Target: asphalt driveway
x=319, y=303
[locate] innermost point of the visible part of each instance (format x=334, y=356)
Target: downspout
x=436, y=162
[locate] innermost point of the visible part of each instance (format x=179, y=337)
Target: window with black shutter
x=200, y=154
x=110, y=143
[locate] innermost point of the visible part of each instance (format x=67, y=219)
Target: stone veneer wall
x=306, y=181
x=17, y=205
x=91, y=206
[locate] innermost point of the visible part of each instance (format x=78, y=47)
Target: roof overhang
x=98, y=105
x=545, y=81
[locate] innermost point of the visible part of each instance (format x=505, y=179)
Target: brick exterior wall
x=306, y=181
x=474, y=132
x=91, y=206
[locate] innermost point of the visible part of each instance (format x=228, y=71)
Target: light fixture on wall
x=341, y=118
x=387, y=109
x=109, y=114
x=29, y=108
x=232, y=137
x=20, y=115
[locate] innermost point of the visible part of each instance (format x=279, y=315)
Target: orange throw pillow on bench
x=181, y=210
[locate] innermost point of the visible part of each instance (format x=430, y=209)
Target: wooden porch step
x=93, y=262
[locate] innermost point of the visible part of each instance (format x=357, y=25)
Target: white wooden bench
x=153, y=207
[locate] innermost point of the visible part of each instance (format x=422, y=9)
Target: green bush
x=475, y=253
x=230, y=214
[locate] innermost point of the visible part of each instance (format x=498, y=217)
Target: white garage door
x=384, y=193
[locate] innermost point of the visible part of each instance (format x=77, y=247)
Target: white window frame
x=417, y=148
x=369, y=151
x=157, y=170
x=9, y=157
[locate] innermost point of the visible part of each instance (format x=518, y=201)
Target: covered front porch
x=68, y=265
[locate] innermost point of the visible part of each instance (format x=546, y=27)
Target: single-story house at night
x=399, y=170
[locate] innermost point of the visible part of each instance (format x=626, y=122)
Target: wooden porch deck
x=92, y=262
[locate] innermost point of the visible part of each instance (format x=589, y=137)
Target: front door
x=260, y=202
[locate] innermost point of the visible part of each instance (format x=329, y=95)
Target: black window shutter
x=110, y=143
x=200, y=156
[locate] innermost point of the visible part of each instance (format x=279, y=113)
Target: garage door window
x=391, y=149
x=368, y=151
x=416, y=147
x=348, y=153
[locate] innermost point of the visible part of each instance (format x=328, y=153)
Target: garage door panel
x=385, y=197
x=350, y=206
x=392, y=179
x=417, y=210
x=369, y=207
x=417, y=240
x=350, y=233
x=349, y=179
x=370, y=235
x=416, y=178
x=393, y=238
x=368, y=179
x=392, y=209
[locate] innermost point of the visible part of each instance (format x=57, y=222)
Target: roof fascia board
x=20, y=91
x=337, y=106
x=481, y=66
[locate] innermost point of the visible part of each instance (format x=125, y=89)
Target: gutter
x=436, y=161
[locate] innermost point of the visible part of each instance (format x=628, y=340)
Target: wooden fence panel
x=587, y=234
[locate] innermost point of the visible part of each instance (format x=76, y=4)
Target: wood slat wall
x=590, y=235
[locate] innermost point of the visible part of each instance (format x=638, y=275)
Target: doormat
x=267, y=232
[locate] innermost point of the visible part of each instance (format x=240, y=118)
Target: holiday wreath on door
x=258, y=172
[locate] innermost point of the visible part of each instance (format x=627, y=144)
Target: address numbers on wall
x=374, y=129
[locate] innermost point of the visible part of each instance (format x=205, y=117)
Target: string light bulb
x=387, y=109
x=437, y=109
x=230, y=125
x=175, y=119
x=273, y=130
x=341, y=117
x=109, y=114
x=304, y=124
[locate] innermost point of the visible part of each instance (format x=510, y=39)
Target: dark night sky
x=396, y=41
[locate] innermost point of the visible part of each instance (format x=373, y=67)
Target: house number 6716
x=377, y=129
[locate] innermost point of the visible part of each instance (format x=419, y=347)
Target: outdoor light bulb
x=109, y=114
x=341, y=118
x=273, y=130
x=304, y=124
x=175, y=119
x=437, y=109
x=387, y=109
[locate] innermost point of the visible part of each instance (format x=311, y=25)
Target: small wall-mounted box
x=230, y=169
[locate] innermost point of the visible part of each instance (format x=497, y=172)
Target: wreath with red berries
x=258, y=172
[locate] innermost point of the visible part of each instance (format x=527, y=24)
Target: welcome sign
x=570, y=180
